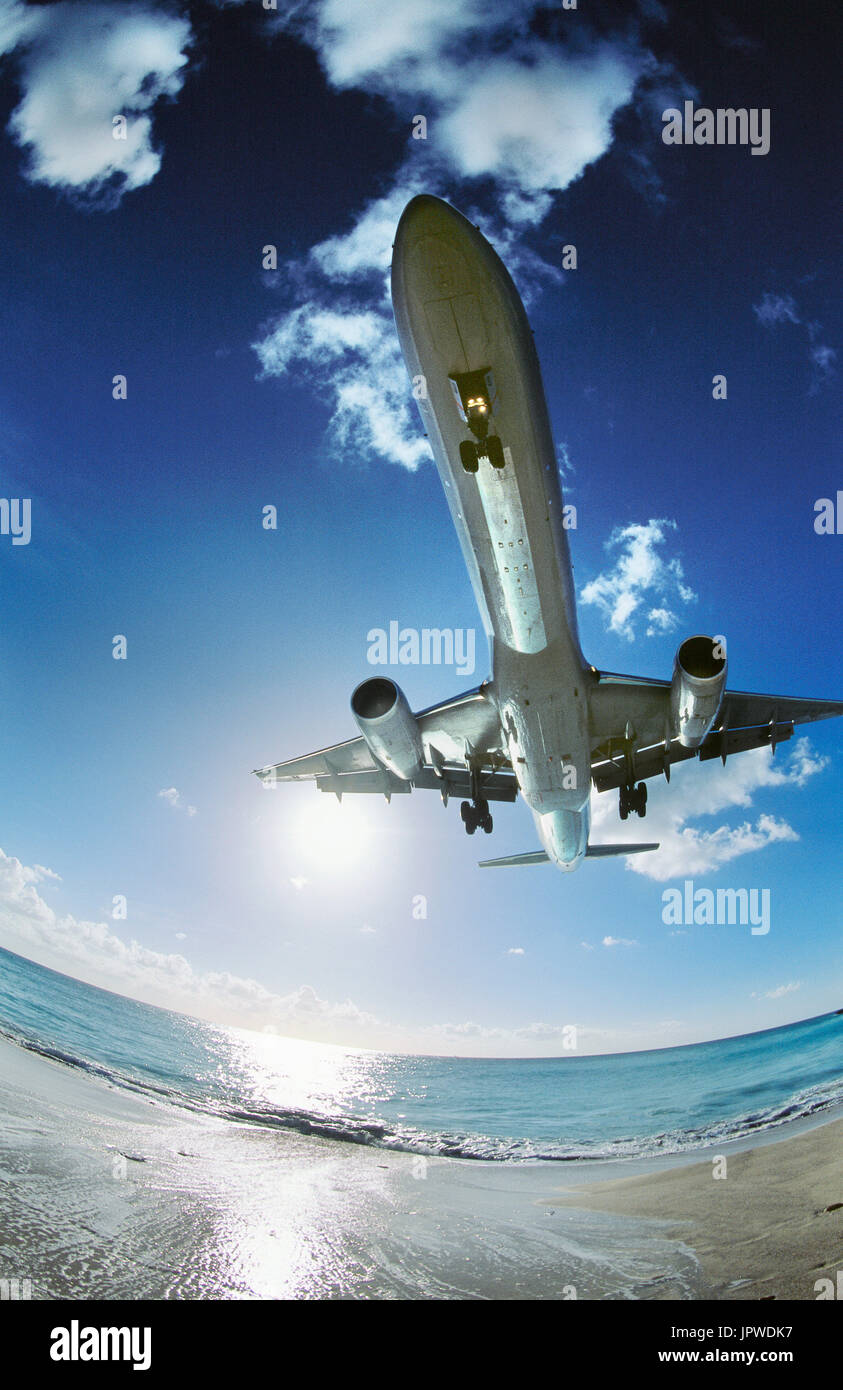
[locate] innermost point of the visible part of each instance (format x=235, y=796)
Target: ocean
x=566, y=1109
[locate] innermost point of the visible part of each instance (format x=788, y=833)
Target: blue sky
x=250, y=386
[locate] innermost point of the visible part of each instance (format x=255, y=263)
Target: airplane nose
x=427, y=215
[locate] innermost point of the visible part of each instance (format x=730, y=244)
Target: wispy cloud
x=709, y=790
x=641, y=584
x=81, y=65
x=774, y=309
x=173, y=797
x=780, y=991
x=618, y=941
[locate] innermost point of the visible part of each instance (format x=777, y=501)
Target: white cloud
x=708, y=789
x=39, y=873
x=618, y=941
x=780, y=991
x=660, y=620
x=80, y=65
x=534, y=123
x=638, y=572
x=173, y=798
x=299, y=883
x=516, y=951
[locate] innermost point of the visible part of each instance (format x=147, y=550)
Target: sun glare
x=329, y=833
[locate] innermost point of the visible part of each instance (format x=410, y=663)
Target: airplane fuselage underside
x=459, y=317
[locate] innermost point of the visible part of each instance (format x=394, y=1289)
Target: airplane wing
x=622, y=704
x=467, y=726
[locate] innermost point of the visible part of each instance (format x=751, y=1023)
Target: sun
x=331, y=833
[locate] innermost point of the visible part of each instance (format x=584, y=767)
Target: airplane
x=546, y=724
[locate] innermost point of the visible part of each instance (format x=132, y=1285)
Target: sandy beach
x=769, y=1228
x=109, y=1194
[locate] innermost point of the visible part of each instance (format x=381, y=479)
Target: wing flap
x=610, y=773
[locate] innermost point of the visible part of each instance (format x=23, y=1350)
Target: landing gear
x=633, y=798
x=490, y=448
x=494, y=451
x=475, y=395
x=468, y=455
x=476, y=815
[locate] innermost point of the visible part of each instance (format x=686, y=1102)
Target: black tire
x=494, y=452
x=623, y=807
x=641, y=799
x=471, y=826
x=468, y=455
x=488, y=825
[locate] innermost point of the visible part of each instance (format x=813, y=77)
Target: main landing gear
x=632, y=798
x=476, y=814
x=476, y=811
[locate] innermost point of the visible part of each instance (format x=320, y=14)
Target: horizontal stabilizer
x=538, y=856
x=534, y=856
x=603, y=851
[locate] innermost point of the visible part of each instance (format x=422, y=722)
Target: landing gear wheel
x=487, y=823
x=623, y=804
x=469, y=817
x=641, y=799
x=494, y=451
x=468, y=455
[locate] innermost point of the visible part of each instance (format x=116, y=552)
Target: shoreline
x=109, y=1193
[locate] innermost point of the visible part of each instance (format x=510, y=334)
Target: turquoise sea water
x=569, y=1108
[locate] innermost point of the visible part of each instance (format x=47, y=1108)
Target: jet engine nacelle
x=389, y=726
x=696, y=691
